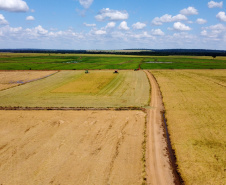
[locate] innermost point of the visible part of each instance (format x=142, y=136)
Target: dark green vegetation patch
x=11, y=61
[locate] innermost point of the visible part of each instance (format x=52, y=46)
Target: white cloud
x=215, y=32
x=14, y=5
x=213, y=37
x=168, y=18
x=2, y=20
x=221, y=16
x=89, y=25
x=113, y=15
x=181, y=27
x=141, y=36
x=123, y=26
x=184, y=37
x=217, y=27
x=139, y=26
x=30, y=18
x=7, y=30
x=86, y=3
x=213, y=4
x=204, y=33
x=189, y=11
x=100, y=32
x=39, y=29
x=157, y=32
x=201, y=21
x=111, y=25
x=32, y=10
x=15, y=30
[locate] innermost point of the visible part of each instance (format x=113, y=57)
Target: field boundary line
x=75, y=108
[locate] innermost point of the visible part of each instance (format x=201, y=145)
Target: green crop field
x=23, y=61
x=99, y=88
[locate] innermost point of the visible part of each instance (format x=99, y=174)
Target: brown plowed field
x=14, y=78
x=71, y=147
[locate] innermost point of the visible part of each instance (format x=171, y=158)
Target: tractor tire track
x=121, y=138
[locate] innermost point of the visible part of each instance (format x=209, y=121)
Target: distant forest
x=148, y=52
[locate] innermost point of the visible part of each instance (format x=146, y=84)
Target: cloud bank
x=14, y=5
x=112, y=15
x=189, y=11
x=168, y=18
x=213, y=4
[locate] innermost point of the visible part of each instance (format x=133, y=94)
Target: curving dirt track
x=158, y=165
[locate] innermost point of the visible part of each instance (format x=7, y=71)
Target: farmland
x=32, y=61
x=14, y=78
x=77, y=89
x=195, y=103
x=71, y=147
x=97, y=145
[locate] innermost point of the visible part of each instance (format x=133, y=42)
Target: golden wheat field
x=100, y=88
x=14, y=78
x=195, y=103
x=71, y=147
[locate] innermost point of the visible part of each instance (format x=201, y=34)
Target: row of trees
x=154, y=52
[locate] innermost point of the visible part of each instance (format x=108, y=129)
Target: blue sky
x=118, y=24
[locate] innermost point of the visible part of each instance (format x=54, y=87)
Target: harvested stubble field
x=100, y=88
x=195, y=103
x=14, y=78
x=71, y=147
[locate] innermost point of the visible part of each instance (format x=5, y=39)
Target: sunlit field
x=195, y=103
x=77, y=89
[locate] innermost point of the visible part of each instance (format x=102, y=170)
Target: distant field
x=87, y=83
x=32, y=61
x=195, y=102
x=100, y=88
x=184, y=62
x=71, y=147
x=14, y=78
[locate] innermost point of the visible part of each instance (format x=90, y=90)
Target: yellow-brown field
x=99, y=88
x=71, y=147
x=14, y=78
x=195, y=103
x=87, y=83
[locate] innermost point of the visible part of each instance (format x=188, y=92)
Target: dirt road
x=158, y=166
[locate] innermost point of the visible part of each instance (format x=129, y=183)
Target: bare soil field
x=99, y=88
x=14, y=78
x=195, y=103
x=71, y=147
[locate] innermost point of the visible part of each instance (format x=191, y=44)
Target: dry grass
x=14, y=78
x=195, y=102
x=128, y=88
x=71, y=147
